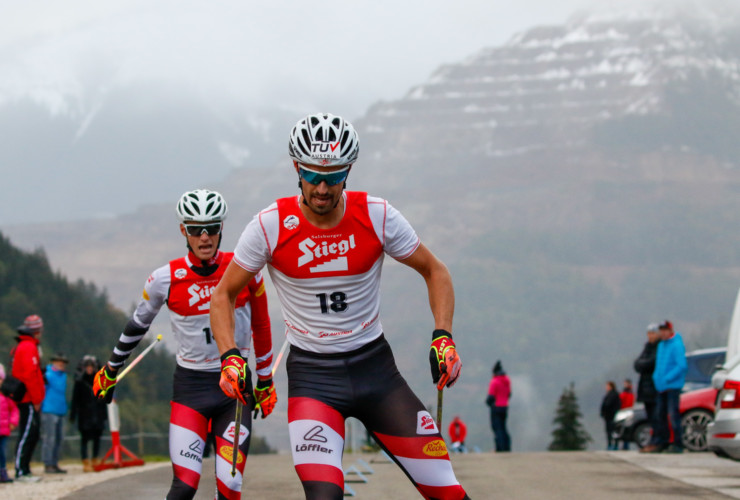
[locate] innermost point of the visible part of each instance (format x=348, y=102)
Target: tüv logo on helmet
x=325, y=150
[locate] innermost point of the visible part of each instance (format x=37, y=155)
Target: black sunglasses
x=198, y=229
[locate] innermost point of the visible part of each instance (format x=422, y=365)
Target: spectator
x=27, y=368
x=627, y=399
x=645, y=365
x=499, y=392
x=90, y=412
x=53, y=410
x=669, y=378
x=609, y=407
x=458, y=431
x=9, y=417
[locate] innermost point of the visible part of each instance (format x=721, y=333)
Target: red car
x=697, y=412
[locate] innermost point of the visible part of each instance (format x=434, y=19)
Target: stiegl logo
x=425, y=423
x=198, y=293
x=312, y=250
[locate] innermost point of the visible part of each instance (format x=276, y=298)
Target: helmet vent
x=306, y=140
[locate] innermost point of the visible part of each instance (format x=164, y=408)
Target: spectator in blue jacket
x=669, y=378
x=53, y=410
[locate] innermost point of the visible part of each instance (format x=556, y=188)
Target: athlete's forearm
x=441, y=297
x=223, y=300
x=261, y=330
x=127, y=342
x=222, y=319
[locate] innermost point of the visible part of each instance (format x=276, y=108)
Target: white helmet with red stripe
x=324, y=140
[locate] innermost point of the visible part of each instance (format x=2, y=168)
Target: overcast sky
x=240, y=61
x=338, y=55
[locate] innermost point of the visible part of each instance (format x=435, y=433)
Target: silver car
x=723, y=435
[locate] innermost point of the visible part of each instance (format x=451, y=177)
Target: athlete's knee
x=320, y=490
x=181, y=491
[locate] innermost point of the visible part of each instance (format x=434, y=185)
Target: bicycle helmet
x=201, y=205
x=324, y=140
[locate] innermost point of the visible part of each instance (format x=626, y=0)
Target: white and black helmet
x=324, y=140
x=201, y=205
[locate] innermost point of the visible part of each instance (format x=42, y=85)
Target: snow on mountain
x=595, y=68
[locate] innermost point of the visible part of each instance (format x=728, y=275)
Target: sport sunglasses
x=316, y=178
x=199, y=229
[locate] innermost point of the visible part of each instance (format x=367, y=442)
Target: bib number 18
x=336, y=301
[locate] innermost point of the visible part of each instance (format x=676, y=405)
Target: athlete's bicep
x=234, y=280
x=423, y=261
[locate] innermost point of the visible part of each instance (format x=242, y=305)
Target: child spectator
x=9, y=418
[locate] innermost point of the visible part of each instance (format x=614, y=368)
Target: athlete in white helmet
x=185, y=285
x=324, y=249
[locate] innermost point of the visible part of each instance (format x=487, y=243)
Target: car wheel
x=694, y=429
x=642, y=434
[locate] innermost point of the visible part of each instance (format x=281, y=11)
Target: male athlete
x=186, y=285
x=325, y=251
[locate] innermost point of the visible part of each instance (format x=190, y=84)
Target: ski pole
x=237, y=429
x=440, y=396
x=279, y=356
x=136, y=361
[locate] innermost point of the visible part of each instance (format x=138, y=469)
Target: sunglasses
x=316, y=178
x=199, y=229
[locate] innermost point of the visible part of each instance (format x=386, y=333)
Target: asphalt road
x=564, y=475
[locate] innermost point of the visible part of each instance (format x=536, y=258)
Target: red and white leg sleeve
x=228, y=487
x=188, y=430
x=426, y=460
x=316, y=440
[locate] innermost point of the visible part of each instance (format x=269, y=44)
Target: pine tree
x=569, y=434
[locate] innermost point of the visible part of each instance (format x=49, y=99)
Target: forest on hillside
x=79, y=320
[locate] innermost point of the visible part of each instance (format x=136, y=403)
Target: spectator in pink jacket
x=499, y=392
x=9, y=417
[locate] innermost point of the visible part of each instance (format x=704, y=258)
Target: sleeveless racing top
x=328, y=280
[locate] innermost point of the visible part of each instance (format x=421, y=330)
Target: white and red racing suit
x=340, y=365
x=185, y=286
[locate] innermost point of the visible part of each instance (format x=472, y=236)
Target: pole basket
x=114, y=458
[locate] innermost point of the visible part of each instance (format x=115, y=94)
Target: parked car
x=697, y=412
x=724, y=433
x=696, y=405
